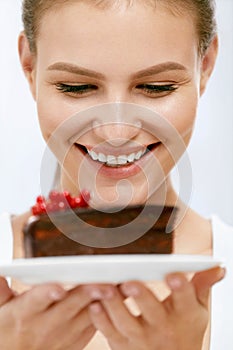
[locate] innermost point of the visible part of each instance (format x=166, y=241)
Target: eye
x=76, y=90
x=157, y=90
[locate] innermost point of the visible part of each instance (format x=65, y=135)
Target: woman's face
x=88, y=56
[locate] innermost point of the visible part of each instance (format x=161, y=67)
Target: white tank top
x=222, y=293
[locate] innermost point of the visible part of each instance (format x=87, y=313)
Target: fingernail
x=130, y=290
x=222, y=272
x=105, y=293
x=96, y=294
x=108, y=293
x=174, y=282
x=57, y=294
x=96, y=308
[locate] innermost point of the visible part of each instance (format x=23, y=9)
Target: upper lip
x=104, y=149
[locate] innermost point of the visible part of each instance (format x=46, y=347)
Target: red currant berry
x=40, y=199
x=50, y=207
x=36, y=210
x=59, y=201
x=55, y=207
x=73, y=203
x=61, y=205
x=77, y=201
x=67, y=196
x=82, y=202
x=42, y=207
x=85, y=194
x=54, y=196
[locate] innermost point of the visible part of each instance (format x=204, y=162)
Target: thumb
x=5, y=292
x=204, y=280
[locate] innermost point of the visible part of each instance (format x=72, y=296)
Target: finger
x=79, y=323
x=84, y=339
x=183, y=294
x=117, y=311
x=76, y=300
x=37, y=299
x=5, y=292
x=204, y=280
x=65, y=333
x=152, y=309
x=102, y=322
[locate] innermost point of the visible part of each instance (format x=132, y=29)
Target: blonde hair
x=203, y=12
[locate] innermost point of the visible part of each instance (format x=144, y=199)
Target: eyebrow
x=153, y=70
x=72, y=68
x=159, y=68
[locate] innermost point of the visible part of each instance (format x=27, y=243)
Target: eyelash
x=76, y=89
x=157, y=89
x=149, y=89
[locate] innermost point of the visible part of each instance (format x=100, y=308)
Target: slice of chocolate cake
x=84, y=231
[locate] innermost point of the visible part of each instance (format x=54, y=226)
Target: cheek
x=52, y=109
x=180, y=110
x=183, y=118
x=51, y=115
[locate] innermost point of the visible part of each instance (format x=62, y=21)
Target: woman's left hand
x=177, y=323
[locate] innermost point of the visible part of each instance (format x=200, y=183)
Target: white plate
x=103, y=268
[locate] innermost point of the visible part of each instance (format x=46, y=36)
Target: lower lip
x=123, y=171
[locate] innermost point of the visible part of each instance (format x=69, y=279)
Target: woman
x=155, y=54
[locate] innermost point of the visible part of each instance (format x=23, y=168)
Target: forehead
x=77, y=31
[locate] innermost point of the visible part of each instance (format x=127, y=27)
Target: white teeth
x=102, y=158
x=138, y=155
x=120, y=160
x=131, y=157
x=111, y=160
x=93, y=155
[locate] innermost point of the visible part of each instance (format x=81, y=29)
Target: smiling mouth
x=120, y=160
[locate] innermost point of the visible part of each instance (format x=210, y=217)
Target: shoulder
x=18, y=223
x=11, y=237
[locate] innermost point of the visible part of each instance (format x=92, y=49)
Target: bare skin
x=41, y=308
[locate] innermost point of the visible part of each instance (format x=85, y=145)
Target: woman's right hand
x=45, y=317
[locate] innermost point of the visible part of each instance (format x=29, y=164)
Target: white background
x=21, y=146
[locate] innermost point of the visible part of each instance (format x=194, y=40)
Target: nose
x=116, y=134
x=117, y=123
